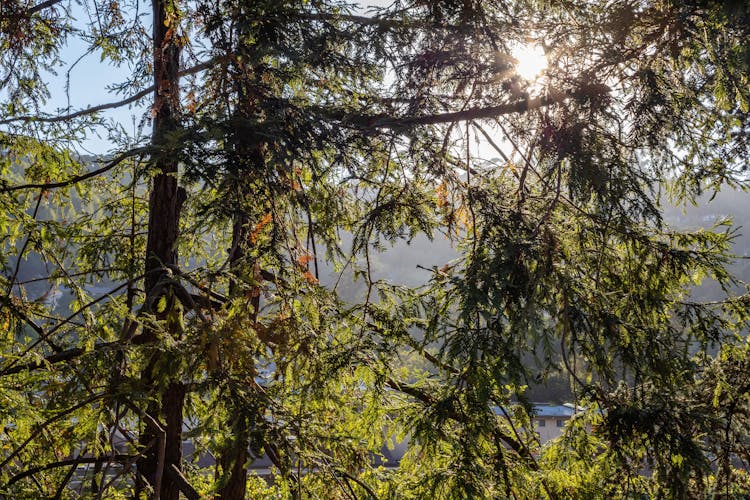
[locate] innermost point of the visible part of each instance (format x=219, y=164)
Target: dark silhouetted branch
x=476, y=113
x=58, y=357
x=42, y=6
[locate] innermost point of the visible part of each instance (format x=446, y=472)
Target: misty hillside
x=410, y=263
x=708, y=213
x=406, y=262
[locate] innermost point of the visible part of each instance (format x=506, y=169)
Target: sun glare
x=531, y=61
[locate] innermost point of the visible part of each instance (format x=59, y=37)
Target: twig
x=364, y=486
x=19, y=258
x=68, y=475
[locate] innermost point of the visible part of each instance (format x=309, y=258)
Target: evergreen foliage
x=217, y=282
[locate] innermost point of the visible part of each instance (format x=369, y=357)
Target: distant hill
x=709, y=211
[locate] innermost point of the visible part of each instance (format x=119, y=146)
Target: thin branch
x=40, y=427
x=70, y=275
x=19, y=258
x=69, y=475
x=475, y=113
x=65, y=463
x=82, y=112
x=127, y=465
x=79, y=178
x=7, y=302
x=494, y=145
x=112, y=105
x=42, y=6
x=59, y=357
x=364, y=486
x=380, y=22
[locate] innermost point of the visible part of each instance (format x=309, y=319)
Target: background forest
x=330, y=227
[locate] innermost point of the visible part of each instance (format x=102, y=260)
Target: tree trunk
x=233, y=458
x=233, y=462
x=165, y=203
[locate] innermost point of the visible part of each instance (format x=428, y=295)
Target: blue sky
x=89, y=83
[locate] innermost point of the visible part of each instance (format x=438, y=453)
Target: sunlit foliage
x=302, y=143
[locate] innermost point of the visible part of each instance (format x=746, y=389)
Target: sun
x=531, y=61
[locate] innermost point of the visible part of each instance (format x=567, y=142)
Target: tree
x=294, y=141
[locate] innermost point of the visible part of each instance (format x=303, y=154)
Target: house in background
x=549, y=420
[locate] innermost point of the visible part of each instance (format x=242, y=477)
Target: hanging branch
x=79, y=178
x=38, y=429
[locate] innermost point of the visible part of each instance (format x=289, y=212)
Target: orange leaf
x=304, y=259
x=259, y=227
x=191, y=103
x=442, y=195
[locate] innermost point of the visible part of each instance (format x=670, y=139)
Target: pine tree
x=292, y=143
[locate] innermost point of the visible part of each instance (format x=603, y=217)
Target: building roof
x=549, y=410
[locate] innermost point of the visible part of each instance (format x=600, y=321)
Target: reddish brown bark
x=234, y=463
x=233, y=459
x=165, y=203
